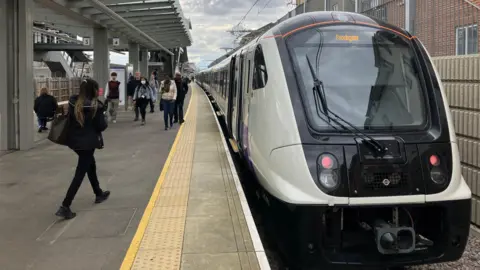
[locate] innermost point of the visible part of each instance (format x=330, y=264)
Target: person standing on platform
x=143, y=95
x=168, y=91
x=154, y=85
x=84, y=135
x=133, y=84
x=182, y=89
x=112, y=94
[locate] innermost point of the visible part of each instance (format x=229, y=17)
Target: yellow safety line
x=142, y=226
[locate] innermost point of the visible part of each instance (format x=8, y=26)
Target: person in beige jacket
x=168, y=92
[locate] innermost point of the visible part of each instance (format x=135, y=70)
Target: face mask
x=143, y=82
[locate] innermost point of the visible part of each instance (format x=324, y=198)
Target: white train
x=344, y=121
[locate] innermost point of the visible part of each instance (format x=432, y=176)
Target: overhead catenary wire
x=264, y=7
x=246, y=14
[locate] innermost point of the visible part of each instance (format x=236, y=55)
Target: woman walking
x=86, y=124
x=169, y=95
x=142, y=97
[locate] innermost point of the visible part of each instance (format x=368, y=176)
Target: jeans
x=42, y=122
x=179, y=110
x=168, y=106
x=86, y=165
x=142, y=106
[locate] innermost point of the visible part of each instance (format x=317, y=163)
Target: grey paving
x=33, y=183
x=216, y=232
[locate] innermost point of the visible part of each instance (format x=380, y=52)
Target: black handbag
x=59, y=130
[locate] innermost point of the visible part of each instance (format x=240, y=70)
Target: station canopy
x=153, y=24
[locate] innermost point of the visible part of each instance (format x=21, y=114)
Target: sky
x=212, y=18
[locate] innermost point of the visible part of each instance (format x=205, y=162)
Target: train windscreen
x=370, y=77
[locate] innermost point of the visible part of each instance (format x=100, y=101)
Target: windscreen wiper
x=319, y=91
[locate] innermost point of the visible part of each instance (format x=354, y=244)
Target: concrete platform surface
x=195, y=218
x=33, y=184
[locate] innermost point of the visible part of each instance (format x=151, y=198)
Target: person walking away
x=45, y=107
x=84, y=135
x=182, y=89
x=154, y=85
x=168, y=94
x=131, y=90
x=112, y=94
x=142, y=96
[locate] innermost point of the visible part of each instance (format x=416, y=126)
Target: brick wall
x=436, y=21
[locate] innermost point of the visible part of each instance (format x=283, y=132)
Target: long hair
x=166, y=84
x=88, y=91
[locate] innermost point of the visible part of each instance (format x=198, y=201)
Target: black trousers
x=86, y=165
x=179, y=110
x=142, y=105
x=152, y=105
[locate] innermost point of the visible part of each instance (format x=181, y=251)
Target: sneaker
x=103, y=197
x=65, y=213
x=114, y=121
x=143, y=122
x=166, y=128
x=40, y=130
x=44, y=128
x=135, y=120
x=182, y=121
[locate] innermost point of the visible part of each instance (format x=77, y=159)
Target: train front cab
x=343, y=202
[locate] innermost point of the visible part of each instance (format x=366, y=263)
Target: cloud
x=211, y=19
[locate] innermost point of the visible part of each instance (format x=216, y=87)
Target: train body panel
x=397, y=150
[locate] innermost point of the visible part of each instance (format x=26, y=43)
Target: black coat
x=45, y=106
x=182, y=89
x=131, y=86
x=89, y=136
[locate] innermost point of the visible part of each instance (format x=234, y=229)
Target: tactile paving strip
x=161, y=245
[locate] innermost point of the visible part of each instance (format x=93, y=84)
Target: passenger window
x=260, y=76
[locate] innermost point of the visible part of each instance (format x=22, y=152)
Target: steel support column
x=16, y=75
x=101, y=56
x=133, y=56
x=144, y=63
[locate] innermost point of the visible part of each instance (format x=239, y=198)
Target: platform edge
x=257, y=242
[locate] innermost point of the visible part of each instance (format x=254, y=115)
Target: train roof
x=312, y=18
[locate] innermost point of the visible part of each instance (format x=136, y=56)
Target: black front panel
x=407, y=171
x=394, y=177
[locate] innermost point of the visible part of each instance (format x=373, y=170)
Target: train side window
x=260, y=76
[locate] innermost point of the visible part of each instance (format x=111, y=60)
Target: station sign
x=116, y=41
x=87, y=41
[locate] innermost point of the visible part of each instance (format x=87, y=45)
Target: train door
x=241, y=86
x=231, y=94
x=236, y=94
x=246, y=100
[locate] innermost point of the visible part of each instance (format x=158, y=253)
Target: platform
x=187, y=216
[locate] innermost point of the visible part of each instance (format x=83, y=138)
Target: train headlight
x=437, y=176
x=436, y=173
x=328, y=172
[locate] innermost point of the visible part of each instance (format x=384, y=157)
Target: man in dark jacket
x=131, y=86
x=45, y=108
x=182, y=89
